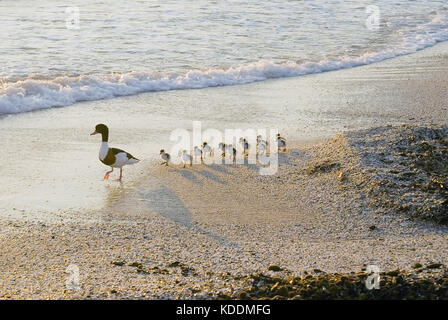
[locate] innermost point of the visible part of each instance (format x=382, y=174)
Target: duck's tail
x=132, y=160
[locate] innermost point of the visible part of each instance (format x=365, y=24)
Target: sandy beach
x=201, y=232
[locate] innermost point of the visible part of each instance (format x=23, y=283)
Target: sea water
x=55, y=53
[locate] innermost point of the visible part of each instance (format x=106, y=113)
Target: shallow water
x=139, y=46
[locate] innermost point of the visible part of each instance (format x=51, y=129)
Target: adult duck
x=112, y=157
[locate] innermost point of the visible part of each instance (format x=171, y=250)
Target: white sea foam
x=31, y=94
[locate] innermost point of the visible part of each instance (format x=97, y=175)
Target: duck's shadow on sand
x=167, y=204
x=211, y=176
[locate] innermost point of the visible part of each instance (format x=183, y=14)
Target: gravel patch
x=401, y=169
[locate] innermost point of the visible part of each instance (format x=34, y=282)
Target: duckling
x=207, y=149
x=281, y=142
x=222, y=147
x=197, y=153
x=231, y=150
x=261, y=147
x=186, y=158
x=165, y=157
x=260, y=140
x=245, y=145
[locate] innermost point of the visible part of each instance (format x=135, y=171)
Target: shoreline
x=198, y=233
x=427, y=51
x=112, y=85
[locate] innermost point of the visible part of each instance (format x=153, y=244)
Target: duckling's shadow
x=167, y=204
x=250, y=163
x=288, y=157
x=252, y=166
x=218, y=167
x=211, y=176
x=284, y=158
x=297, y=153
x=291, y=156
x=188, y=174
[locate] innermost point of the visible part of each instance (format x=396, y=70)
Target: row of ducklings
x=187, y=158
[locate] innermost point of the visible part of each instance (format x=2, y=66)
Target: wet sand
x=173, y=232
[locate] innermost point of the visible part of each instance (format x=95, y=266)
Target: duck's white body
x=104, y=149
x=113, y=157
x=121, y=158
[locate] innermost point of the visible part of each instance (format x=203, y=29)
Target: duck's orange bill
x=94, y=132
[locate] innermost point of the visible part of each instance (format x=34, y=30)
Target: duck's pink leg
x=121, y=174
x=106, y=176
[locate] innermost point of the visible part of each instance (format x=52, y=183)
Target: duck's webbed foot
x=106, y=176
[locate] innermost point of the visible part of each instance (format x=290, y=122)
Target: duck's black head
x=103, y=130
x=162, y=151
